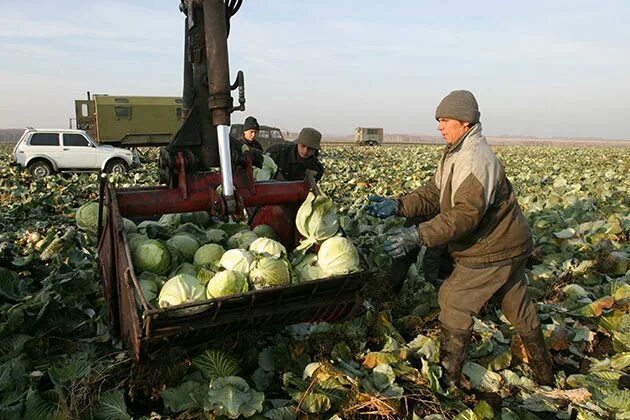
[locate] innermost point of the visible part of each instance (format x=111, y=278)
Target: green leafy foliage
x=58, y=359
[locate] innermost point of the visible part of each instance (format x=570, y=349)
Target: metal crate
x=142, y=327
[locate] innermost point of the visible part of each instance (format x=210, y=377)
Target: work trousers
x=468, y=289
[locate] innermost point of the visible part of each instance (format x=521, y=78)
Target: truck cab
x=267, y=135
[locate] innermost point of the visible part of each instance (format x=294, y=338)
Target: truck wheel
x=116, y=166
x=40, y=169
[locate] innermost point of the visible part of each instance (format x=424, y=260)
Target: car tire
x=40, y=169
x=116, y=166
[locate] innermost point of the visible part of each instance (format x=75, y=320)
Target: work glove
x=401, y=241
x=382, y=207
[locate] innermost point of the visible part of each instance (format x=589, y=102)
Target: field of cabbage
x=58, y=360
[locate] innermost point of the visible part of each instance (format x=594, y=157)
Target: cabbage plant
x=87, y=216
x=151, y=255
x=242, y=239
x=183, y=288
x=185, y=243
x=338, y=255
x=238, y=260
x=316, y=220
x=270, y=272
x=227, y=282
x=269, y=247
x=308, y=268
x=208, y=255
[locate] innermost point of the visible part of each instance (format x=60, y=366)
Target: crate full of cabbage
x=192, y=277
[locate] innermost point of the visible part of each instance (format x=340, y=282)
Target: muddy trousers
x=467, y=290
x=463, y=295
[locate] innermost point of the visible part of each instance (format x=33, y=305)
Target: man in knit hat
x=250, y=131
x=480, y=221
x=296, y=158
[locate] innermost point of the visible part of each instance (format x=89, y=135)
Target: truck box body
x=368, y=136
x=130, y=120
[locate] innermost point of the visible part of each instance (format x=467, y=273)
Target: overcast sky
x=538, y=68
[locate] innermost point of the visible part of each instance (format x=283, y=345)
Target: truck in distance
x=368, y=136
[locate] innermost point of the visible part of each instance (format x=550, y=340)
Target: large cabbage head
x=183, y=288
x=134, y=239
x=185, y=243
x=265, y=231
x=151, y=255
x=199, y=218
x=316, y=219
x=208, y=255
x=270, y=272
x=87, y=217
x=227, y=282
x=308, y=269
x=215, y=235
x=242, y=239
x=338, y=255
x=238, y=260
x=268, y=246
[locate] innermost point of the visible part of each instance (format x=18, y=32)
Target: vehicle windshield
x=94, y=142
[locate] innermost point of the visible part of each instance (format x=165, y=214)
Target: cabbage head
x=87, y=217
x=156, y=278
x=261, y=174
x=151, y=255
x=316, y=220
x=242, y=239
x=338, y=255
x=308, y=269
x=267, y=170
x=170, y=219
x=215, y=235
x=199, y=218
x=134, y=239
x=270, y=272
x=231, y=397
x=184, y=268
x=149, y=289
x=268, y=246
x=208, y=255
x=185, y=243
x=238, y=260
x=129, y=226
x=265, y=231
x=205, y=274
x=225, y=283
x=183, y=288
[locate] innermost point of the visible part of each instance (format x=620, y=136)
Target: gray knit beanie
x=309, y=137
x=459, y=105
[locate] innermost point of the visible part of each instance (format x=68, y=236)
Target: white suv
x=46, y=151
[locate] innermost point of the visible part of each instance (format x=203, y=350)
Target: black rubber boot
x=453, y=349
x=539, y=356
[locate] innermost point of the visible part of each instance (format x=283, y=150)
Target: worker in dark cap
x=296, y=158
x=250, y=131
x=480, y=220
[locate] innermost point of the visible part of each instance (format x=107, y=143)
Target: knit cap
x=459, y=105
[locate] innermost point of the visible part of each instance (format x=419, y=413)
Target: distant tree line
x=10, y=135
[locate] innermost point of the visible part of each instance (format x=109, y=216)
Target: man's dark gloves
x=401, y=241
x=382, y=207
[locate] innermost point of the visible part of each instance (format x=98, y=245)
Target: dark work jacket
x=291, y=167
x=255, y=149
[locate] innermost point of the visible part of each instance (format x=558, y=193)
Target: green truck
x=130, y=121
